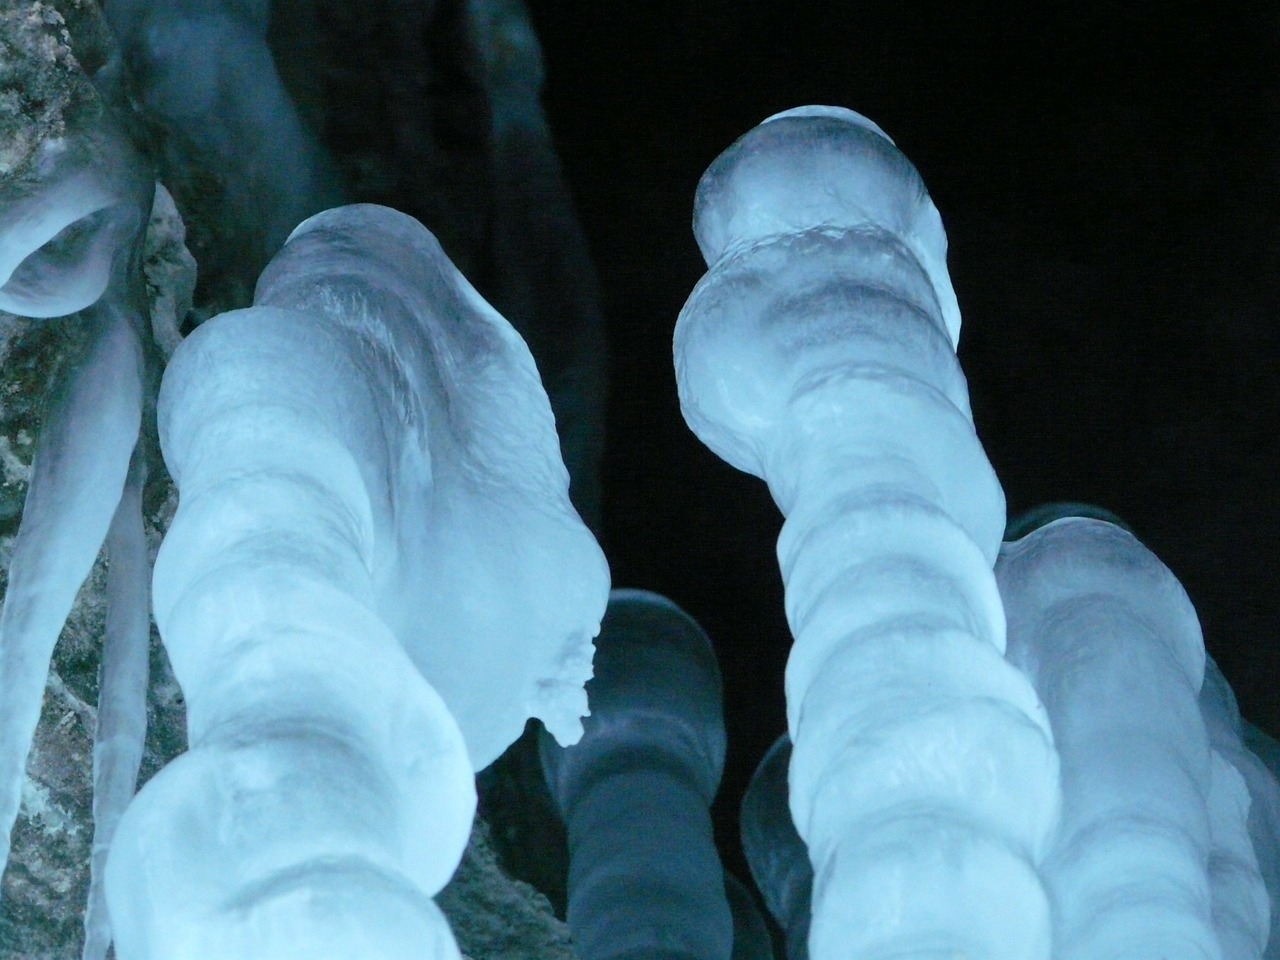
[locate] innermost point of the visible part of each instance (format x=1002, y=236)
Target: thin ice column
x=374, y=578
x=818, y=354
x=1112, y=643
x=645, y=882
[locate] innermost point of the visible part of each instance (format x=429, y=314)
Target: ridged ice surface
x=818, y=353
x=1113, y=646
x=373, y=579
x=645, y=881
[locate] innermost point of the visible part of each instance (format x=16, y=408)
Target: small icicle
x=122, y=694
x=77, y=474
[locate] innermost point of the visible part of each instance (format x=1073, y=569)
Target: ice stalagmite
x=818, y=354
x=373, y=572
x=1113, y=646
x=778, y=858
x=645, y=882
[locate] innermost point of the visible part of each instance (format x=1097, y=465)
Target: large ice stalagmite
x=74, y=206
x=778, y=858
x=1112, y=644
x=645, y=882
x=818, y=354
x=373, y=579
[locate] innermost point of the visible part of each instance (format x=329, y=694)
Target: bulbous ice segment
x=818, y=354
x=65, y=220
x=1262, y=774
x=464, y=512
x=1112, y=644
x=373, y=579
x=820, y=167
x=644, y=877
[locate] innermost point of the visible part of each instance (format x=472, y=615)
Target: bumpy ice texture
x=818, y=354
x=373, y=579
x=1244, y=863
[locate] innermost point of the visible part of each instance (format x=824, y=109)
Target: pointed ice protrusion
x=645, y=881
x=373, y=579
x=776, y=854
x=818, y=354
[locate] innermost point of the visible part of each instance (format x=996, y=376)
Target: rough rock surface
x=41, y=83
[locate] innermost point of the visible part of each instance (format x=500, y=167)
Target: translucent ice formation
x=373, y=572
x=645, y=882
x=778, y=858
x=1113, y=646
x=73, y=215
x=817, y=353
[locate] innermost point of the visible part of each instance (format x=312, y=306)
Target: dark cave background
x=1108, y=178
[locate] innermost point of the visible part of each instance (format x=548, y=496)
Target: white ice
x=373, y=579
x=818, y=354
